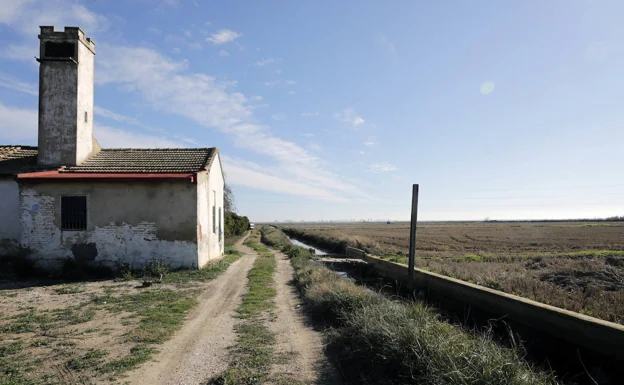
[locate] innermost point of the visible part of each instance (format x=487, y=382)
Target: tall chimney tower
x=65, y=97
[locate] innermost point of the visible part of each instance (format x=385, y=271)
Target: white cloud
x=167, y=86
x=291, y=92
x=278, y=72
x=309, y=114
x=244, y=173
x=110, y=137
x=279, y=117
x=349, y=116
x=381, y=167
x=26, y=16
x=224, y=53
x=154, y=31
x=307, y=135
x=19, y=125
x=370, y=142
x=257, y=98
x=361, y=152
x=223, y=36
x=290, y=82
x=26, y=52
x=314, y=147
x=272, y=83
x=263, y=62
x=15, y=84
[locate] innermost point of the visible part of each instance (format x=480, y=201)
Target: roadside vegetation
x=576, y=266
x=376, y=340
x=94, y=332
x=253, y=355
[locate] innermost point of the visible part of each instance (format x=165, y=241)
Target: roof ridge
x=159, y=149
x=20, y=146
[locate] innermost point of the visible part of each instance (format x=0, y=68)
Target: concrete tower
x=65, y=97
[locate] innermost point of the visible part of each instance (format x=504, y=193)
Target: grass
x=153, y=315
x=253, y=354
x=374, y=340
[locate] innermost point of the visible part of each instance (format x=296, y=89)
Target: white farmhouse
x=70, y=198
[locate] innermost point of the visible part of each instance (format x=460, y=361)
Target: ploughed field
x=577, y=266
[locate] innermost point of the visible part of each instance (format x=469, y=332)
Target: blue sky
x=332, y=109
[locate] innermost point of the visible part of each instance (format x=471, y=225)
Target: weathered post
x=412, y=249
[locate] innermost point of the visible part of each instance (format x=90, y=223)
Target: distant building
x=70, y=198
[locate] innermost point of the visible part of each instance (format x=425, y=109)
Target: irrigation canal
x=573, y=365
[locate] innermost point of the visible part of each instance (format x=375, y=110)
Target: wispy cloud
x=272, y=83
x=224, y=53
x=370, y=142
x=290, y=82
x=223, y=36
x=20, y=127
x=250, y=174
x=25, y=16
x=263, y=62
x=308, y=135
x=278, y=117
x=291, y=92
x=169, y=87
x=381, y=167
x=25, y=52
x=309, y=114
x=349, y=116
x=386, y=46
x=12, y=83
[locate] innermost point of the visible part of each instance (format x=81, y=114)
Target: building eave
x=56, y=176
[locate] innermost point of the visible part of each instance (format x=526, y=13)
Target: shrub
x=235, y=224
x=273, y=237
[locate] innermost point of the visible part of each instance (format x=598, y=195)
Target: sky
x=331, y=110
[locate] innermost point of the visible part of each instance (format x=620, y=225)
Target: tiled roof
x=129, y=160
x=15, y=159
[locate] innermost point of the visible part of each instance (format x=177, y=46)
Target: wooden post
x=412, y=249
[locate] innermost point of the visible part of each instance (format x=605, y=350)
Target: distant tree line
x=234, y=224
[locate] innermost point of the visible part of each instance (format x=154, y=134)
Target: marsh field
x=577, y=266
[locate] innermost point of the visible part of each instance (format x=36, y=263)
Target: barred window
x=74, y=213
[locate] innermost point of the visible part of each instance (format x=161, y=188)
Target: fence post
x=412, y=249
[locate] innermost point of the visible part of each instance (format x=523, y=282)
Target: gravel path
x=199, y=350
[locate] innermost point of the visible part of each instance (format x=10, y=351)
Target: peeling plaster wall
x=211, y=244
x=9, y=216
x=131, y=222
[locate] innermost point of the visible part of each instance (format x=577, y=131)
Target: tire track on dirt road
x=199, y=350
x=297, y=341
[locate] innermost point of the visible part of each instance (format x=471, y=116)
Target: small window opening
x=86, y=117
x=74, y=213
x=220, y=224
x=65, y=50
x=214, y=212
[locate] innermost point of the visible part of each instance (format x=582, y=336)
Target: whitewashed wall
x=211, y=244
x=130, y=222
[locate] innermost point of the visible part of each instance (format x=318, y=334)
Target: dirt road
x=296, y=340
x=199, y=350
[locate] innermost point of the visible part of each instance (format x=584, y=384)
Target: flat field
x=578, y=266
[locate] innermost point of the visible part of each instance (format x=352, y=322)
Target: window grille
x=74, y=213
